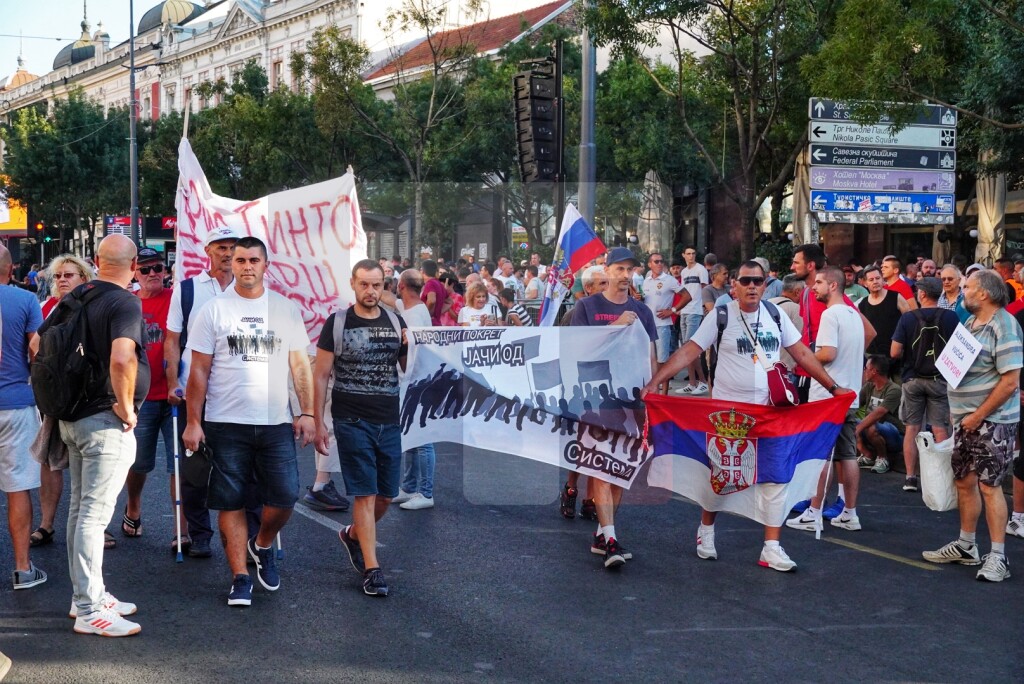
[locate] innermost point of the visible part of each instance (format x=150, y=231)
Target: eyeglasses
x=657, y=261
x=155, y=268
x=949, y=280
x=751, y=280
x=69, y=276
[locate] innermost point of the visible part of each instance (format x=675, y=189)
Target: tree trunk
x=417, y=220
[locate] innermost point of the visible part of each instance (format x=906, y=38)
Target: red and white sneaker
x=106, y=623
x=110, y=602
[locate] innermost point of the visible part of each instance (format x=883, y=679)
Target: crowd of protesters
x=202, y=350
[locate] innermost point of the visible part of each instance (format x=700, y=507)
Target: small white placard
x=956, y=359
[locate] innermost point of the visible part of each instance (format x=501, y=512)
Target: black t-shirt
x=114, y=314
x=366, y=373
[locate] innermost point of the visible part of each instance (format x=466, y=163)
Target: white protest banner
x=564, y=396
x=313, y=235
x=958, y=355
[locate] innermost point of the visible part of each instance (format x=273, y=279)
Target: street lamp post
x=133, y=143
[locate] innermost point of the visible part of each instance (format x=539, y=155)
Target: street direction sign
x=876, y=217
x=857, y=156
x=823, y=109
x=881, y=180
x=891, y=203
x=880, y=134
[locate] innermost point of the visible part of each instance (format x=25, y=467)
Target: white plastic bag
x=937, y=488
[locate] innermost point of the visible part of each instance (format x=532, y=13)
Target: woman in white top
x=478, y=310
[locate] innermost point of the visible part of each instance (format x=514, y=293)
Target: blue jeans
x=154, y=422
x=100, y=453
x=241, y=451
x=371, y=457
x=892, y=436
x=419, y=471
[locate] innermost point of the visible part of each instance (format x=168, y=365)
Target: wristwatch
x=833, y=388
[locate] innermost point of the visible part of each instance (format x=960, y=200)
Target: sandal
x=41, y=537
x=131, y=528
x=186, y=544
x=108, y=540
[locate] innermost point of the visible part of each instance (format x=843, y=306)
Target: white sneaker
x=417, y=502
x=995, y=569
x=402, y=497
x=687, y=390
x=805, y=521
x=1015, y=528
x=106, y=623
x=706, y=543
x=847, y=521
x=110, y=602
x=775, y=557
x=702, y=388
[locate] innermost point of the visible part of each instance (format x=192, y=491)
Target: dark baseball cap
x=617, y=254
x=147, y=254
x=930, y=286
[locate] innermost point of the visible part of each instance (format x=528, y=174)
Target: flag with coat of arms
x=577, y=245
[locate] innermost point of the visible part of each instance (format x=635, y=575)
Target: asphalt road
x=493, y=584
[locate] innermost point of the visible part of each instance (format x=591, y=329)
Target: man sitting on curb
x=880, y=431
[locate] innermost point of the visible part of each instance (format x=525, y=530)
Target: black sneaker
x=327, y=499
x=266, y=566
x=599, y=547
x=911, y=484
x=613, y=556
x=200, y=549
x=568, y=502
x=374, y=584
x=355, y=553
x=588, y=510
x=241, y=591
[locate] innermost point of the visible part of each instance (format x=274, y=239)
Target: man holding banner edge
x=738, y=382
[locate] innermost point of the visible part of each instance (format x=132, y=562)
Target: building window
x=169, y=98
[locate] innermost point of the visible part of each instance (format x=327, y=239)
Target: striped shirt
x=524, y=315
x=1001, y=352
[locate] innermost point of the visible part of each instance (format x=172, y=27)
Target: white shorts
x=19, y=472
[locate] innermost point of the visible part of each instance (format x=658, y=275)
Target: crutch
x=177, y=477
x=280, y=551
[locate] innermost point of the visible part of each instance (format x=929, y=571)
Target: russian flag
x=577, y=245
x=752, y=460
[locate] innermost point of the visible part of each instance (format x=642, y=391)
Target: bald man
x=99, y=433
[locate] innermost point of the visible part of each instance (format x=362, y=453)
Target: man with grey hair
x=789, y=303
x=985, y=408
x=920, y=337
x=952, y=296
x=594, y=280
x=772, y=286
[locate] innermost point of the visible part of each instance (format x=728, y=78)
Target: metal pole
x=588, y=149
x=133, y=145
x=560, y=122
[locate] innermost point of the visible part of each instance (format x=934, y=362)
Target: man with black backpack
x=921, y=335
x=97, y=418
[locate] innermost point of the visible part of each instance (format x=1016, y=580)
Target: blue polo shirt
x=21, y=316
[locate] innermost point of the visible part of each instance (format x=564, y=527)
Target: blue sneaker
x=835, y=510
x=241, y=591
x=801, y=506
x=266, y=567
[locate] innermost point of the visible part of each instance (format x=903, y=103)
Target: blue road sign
x=891, y=203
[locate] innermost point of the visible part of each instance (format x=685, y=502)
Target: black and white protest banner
x=565, y=396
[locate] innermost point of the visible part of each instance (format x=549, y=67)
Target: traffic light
x=537, y=123
x=39, y=228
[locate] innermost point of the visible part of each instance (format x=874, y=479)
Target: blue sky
x=57, y=19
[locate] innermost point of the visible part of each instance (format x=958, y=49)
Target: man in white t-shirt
x=694, y=278
x=738, y=379
x=244, y=345
x=187, y=299
x=839, y=346
x=659, y=289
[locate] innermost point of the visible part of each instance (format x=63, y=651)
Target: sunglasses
x=751, y=280
x=155, y=268
x=69, y=276
x=656, y=261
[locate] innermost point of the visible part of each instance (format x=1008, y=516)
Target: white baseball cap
x=218, y=234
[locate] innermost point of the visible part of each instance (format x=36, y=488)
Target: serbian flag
x=577, y=245
x=751, y=460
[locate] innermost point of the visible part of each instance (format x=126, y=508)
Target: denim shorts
x=688, y=324
x=664, y=343
x=242, y=453
x=371, y=457
x=154, y=422
x=891, y=434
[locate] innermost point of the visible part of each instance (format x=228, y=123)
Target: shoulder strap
x=339, y=331
x=773, y=311
x=722, y=314
x=188, y=298
x=393, y=317
x=805, y=311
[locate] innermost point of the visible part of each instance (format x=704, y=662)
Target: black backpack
x=63, y=368
x=926, y=347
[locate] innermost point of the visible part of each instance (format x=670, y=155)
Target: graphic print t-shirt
x=250, y=340
x=739, y=376
x=154, y=318
x=366, y=373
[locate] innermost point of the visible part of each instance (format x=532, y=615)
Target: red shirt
x=154, y=314
x=434, y=285
x=901, y=287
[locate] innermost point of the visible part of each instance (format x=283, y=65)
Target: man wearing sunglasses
x=155, y=414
